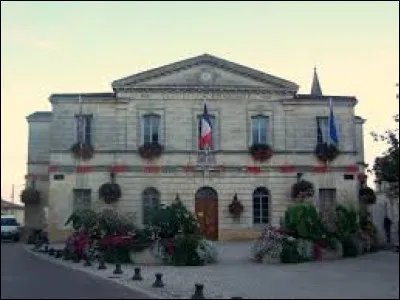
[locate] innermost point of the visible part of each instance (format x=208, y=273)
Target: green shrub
x=82, y=218
x=304, y=221
x=185, y=251
x=346, y=222
x=289, y=253
x=349, y=247
x=174, y=219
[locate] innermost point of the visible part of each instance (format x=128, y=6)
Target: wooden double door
x=206, y=208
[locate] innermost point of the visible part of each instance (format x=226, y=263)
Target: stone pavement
x=369, y=276
x=24, y=276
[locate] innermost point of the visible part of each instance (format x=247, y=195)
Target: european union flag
x=333, y=136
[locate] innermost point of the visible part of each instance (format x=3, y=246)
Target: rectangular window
x=83, y=129
x=327, y=199
x=82, y=198
x=151, y=129
x=214, y=132
x=259, y=130
x=348, y=177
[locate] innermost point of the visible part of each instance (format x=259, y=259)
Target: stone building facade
x=165, y=104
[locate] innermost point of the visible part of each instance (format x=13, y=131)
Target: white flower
x=291, y=239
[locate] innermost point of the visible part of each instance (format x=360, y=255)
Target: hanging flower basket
x=110, y=192
x=150, y=150
x=325, y=152
x=302, y=189
x=236, y=208
x=260, y=152
x=30, y=196
x=85, y=152
x=367, y=195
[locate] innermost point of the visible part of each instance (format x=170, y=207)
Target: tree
x=386, y=167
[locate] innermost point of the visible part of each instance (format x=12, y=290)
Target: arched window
x=151, y=201
x=260, y=206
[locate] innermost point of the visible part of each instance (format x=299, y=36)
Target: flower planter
x=144, y=257
x=268, y=259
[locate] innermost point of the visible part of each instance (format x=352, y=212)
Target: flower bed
x=307, y=236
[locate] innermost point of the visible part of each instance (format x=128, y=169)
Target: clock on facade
x=206, y=76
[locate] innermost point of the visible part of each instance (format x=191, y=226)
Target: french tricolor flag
x=205, y=140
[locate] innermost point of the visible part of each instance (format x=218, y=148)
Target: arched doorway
x=206, y=207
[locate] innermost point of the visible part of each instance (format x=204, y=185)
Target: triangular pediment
x=204, y=71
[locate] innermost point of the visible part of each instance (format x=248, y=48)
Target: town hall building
x=144, y=136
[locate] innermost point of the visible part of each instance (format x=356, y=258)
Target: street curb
x=76, y=267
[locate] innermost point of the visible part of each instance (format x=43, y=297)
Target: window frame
x=263, y=196
x=82, y=196
x=85, y=133
x=149, y=194
x=150, y=117
x=257, y=118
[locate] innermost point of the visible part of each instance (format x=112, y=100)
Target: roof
x=326, y=97
x=316, y=87
x=9, y=205
x=207, y=59
x=75, y=96
x=40, y=116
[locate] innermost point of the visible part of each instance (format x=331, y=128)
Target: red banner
x=352, y=169
x=287, y=169
x=53, y=169
x=152, y=169
x=118, y=168
x=83, y=169
x=253, y=169
x=320, y=169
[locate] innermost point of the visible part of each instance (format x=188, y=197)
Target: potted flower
x=260, y=152
x=236, y=208
x=367, y=195
x=325, y=152
x=30, y=195
x=110, y=192
x=302, y=189
x=82, y=150
x=150, y=150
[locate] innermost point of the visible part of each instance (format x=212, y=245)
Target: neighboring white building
x=164, y=105
x=9, y=208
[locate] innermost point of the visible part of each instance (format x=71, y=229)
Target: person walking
x=387, y=224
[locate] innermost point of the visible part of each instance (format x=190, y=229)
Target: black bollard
x=58, y=253
x=51, y=251
x=46, y=248
x=198, y=292
x=137, y=275
x=158, y=283
x=77, y=259
x=118, y=269
x=102, y=265
x=87, y=262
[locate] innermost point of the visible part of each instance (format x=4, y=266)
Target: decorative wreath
x=367, y=195
x=110, y=192
x=260, y=152
x=236, y=208
x=84, y=151
x=30, y=196
x=325, y=152
x=150, y=150
x=302, y=189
